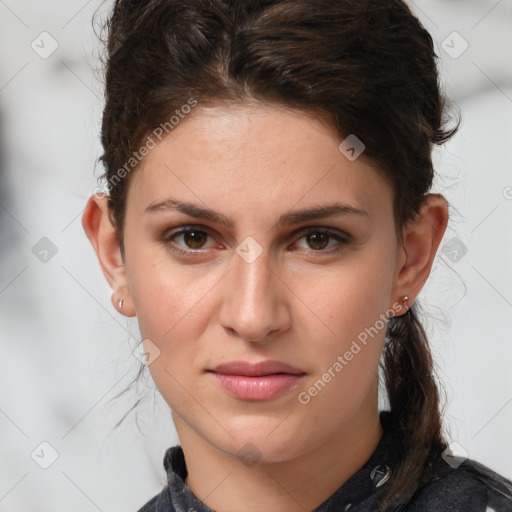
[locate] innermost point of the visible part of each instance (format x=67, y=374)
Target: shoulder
x=468, y=487
x=158, y=503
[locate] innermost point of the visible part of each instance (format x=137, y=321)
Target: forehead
x=258, y=156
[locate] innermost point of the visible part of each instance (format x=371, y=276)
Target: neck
x=225, y=484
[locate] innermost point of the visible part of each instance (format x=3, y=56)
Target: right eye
x=192, y=240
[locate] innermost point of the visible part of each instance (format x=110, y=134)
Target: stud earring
x=120, y=304
x=404, y=300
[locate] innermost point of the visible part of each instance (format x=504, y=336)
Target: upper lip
x=268, y=367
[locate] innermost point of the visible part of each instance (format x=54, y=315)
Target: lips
x=257, y=382
x=269, y=367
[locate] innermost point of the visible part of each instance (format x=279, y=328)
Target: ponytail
x=413, y=397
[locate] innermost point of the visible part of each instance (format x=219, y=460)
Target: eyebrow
x=289, y=218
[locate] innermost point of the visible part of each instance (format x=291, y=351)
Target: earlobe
x=421, y=239
x=101, y=233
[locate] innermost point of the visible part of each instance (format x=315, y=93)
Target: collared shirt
x=460, y=485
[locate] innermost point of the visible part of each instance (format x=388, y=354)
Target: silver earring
x=120, y=304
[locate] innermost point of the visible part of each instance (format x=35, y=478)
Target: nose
x=255, y=301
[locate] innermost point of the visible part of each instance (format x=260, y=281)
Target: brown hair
x=367, y=67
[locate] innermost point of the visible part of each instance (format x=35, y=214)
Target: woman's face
x=257, y=287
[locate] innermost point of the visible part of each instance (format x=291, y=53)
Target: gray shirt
x=463, y=486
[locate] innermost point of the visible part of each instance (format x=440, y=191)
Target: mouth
x=261, y=369
x=256, y=382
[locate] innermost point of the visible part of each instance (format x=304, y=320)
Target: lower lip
x=260, y=388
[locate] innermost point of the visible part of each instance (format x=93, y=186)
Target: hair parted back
x=366, y=67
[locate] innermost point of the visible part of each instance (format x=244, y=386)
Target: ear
x=421, y=238
x=101, y=233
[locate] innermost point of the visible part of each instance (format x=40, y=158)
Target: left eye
x=319, y=240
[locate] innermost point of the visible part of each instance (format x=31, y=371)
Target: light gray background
x=66, y=352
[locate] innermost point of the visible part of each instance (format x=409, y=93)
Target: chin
x=265, y=444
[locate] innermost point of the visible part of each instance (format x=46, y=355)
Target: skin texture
x=297, y=302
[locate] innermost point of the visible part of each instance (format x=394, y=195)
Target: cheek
x=173, y=302
x=173, y=310
x=351, y=303
x=355, y=294
x=169, y=302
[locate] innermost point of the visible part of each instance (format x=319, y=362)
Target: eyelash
x=170, y=236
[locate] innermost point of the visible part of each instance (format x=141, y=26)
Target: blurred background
x=66, y=353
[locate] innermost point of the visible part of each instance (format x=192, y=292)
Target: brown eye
x=195, y=239
x=317, y=241
x=323, y=241
x=187, y=239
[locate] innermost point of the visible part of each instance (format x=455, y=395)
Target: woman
x=269, y=222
